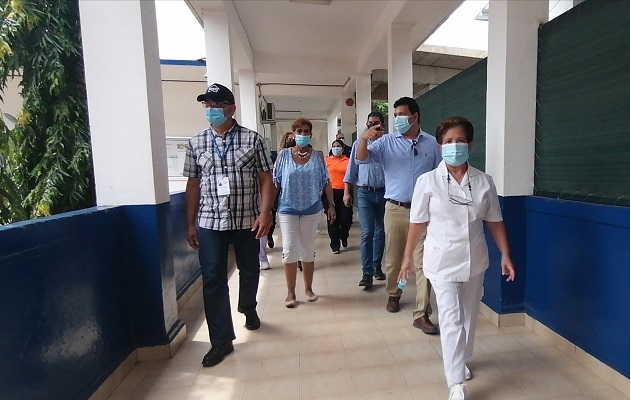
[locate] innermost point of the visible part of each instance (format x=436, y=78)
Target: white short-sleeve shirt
x=455, y=246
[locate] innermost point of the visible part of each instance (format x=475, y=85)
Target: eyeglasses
x=371, y=124
x=303, y=131
x=222, y=104
x=455, y=199
x=414, y=149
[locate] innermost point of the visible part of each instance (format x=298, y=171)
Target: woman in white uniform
x=451, y=202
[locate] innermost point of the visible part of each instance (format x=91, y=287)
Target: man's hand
x=191, y=237
x=347, y=199
x=262, y=224
x=373, y=133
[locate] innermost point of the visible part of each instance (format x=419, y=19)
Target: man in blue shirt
x=371, y=184
x=404, y=155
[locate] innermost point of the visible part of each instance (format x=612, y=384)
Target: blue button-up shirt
x=401, y=167
x=364, y=174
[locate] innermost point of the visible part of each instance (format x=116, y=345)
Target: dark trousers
x=213, y=258
x=339, y=229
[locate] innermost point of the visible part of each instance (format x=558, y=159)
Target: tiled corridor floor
x=347, y=346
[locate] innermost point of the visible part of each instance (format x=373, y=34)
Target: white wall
x=183, y=115
x=12, y=101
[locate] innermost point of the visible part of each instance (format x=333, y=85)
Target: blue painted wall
x=80, y=291
x=187, y=268
x=63, y=304
x=572, y=272
x=578, y=275
x=501, y=296
x=150, y=274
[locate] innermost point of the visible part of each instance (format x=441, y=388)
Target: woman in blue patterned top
x=301, y=175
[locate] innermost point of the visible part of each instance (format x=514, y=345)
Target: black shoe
x=344, y=242
x=270, y=242
x=336, y=251
x=252, y=321
x=380, y=276
x=366, y=281
x=217, y=353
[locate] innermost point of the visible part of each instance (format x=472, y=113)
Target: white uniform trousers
x=458, y=305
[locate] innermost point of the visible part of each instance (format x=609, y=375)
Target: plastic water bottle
x=402, y=282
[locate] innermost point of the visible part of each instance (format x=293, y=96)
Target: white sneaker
x=467, y=373
x=264, y=265
x=456, y=392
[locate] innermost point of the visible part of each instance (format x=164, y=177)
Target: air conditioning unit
x=269, y=113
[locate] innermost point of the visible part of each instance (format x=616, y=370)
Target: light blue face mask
x=336, y=151
x=455, y=154
x=215, y=116
x=401, y=124
x=302, y=141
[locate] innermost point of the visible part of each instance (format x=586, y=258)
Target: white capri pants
x=298, y=233
x=458, y=305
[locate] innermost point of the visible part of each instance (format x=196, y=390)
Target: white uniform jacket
x=455, y=247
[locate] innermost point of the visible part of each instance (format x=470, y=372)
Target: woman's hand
x=330, y=213
x=406, y=265
x=508, y=268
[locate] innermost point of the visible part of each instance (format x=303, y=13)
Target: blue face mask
x=401, y=124
x=455, y=154
x=336, y=151
x=302, y=141
x=215, y=116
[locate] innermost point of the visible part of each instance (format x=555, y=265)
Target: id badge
x=223, y=186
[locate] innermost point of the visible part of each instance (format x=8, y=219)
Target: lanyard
x=222, y=154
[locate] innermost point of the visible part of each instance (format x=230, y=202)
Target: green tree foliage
x=45, y=161
x=380, y=106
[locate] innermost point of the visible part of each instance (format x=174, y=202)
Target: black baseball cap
x=217, y=93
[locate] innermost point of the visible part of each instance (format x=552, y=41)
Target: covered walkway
x=346, y=346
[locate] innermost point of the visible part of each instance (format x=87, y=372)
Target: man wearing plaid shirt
x=229, y=175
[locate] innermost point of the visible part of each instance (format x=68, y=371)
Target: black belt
x=373, y=189
x=400, y=204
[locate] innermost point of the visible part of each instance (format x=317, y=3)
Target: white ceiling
x=303, y=55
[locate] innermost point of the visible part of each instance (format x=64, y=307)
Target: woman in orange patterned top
x=336, y=164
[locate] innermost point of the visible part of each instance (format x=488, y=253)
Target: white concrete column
x=124, y=91
x=237, y=101
x=348, y=114
x=124, y=88
x=399, y=43
x=250, y=115
x=363, y=97
x=331, y=124
x=511, y=93
x=558, y=7
x=218, y=54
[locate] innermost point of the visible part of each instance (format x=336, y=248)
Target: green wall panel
x=582, y=134
x=464, y=95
